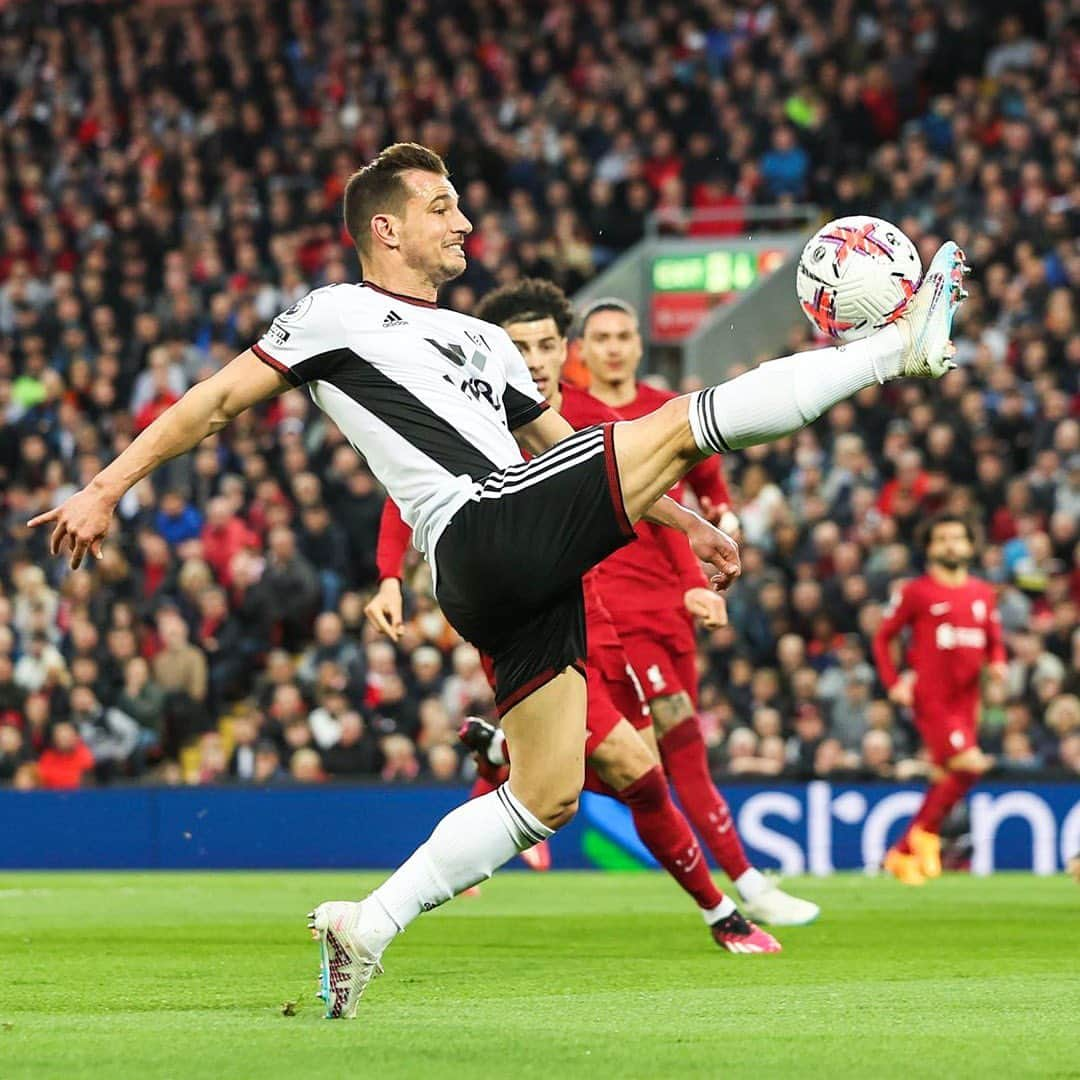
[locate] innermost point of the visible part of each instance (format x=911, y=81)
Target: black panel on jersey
x=400, y=409
x=520, y=408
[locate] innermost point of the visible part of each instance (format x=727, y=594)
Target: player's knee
x=553, y=798
x=671, y=710
x=562, y=812
x=972, y=761
x=557, y=807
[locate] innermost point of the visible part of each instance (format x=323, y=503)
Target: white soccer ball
x=856, y=275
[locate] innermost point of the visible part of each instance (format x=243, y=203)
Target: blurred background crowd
x=170, y=178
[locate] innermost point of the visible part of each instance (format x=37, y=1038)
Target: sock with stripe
x=467, y=846
x=781, y=396
x=686, y=761
x=665, y=832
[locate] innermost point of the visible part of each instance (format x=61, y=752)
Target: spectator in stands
x=268, y=768
x=355, y=752
x=66, y=761
x=293, y=585
x=332, y=645
x=223, y=536
x=305, y=767
x=14, y=752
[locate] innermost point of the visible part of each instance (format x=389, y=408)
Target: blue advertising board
x=798, y=828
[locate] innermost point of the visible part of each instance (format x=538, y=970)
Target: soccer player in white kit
x=440, y=405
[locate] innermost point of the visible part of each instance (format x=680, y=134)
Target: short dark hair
x=607, y=303
x=527, y=300
x=946, y=519
x=378, y=188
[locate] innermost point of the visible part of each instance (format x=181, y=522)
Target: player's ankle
x=722, y=910
x=890, y=345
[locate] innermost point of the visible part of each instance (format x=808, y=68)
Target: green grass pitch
x=552, y=976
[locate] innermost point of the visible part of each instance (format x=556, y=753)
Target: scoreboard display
x=684, y=288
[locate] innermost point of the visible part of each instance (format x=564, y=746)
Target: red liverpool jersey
x=642, y=581
x=955, y=632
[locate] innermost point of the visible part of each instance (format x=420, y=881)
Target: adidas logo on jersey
x=393, y=319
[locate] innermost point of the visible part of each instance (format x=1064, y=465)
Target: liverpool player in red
x=955, y=632
x=619, y=763
x=654, y=589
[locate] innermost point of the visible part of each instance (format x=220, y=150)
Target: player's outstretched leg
x=546, y=732
x=629, y=773
x=781, y=396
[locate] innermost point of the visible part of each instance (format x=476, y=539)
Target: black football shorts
x=509, y=564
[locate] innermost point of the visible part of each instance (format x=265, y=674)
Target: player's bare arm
x=82, y=521
x=709, y=543
x=541, y=434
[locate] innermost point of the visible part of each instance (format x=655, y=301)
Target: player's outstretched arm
x=83, y=520
x=710, y=544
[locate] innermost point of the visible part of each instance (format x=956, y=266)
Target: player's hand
x=81, y=522
x=709, y=607
x=715, y=547
x=721, y=515
x=999, y=672
x=384, y=609
x=903, y=691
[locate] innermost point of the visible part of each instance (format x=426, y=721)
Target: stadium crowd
x=170, y=178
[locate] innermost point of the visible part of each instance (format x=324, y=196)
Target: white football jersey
x=428, y=396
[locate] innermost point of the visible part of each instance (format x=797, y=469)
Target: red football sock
x=687, y=764
x=940, y=799
x=665, y=832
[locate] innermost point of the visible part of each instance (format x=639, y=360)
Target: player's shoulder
x=909, y=591
x=922, y=588
x=310, y=323
x=319, y=306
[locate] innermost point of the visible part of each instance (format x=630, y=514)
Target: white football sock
x=721, y=911
x=467, y=846
x=781, y=396
x=751, y=884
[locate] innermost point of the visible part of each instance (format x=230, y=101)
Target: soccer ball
x=856, y=275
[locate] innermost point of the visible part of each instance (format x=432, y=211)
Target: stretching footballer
x=441, y=405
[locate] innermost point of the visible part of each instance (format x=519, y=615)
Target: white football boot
x=348, y=962
x=778, y=908
x=926, y=325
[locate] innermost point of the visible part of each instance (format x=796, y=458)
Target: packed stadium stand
x=171, y=178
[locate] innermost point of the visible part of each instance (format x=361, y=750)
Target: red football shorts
x=946, y=734
x=614, y=694
x=664, y=663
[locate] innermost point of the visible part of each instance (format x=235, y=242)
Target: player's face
x=543, y=349
x=432, y=229
x=950, y=546
x=611, y=346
